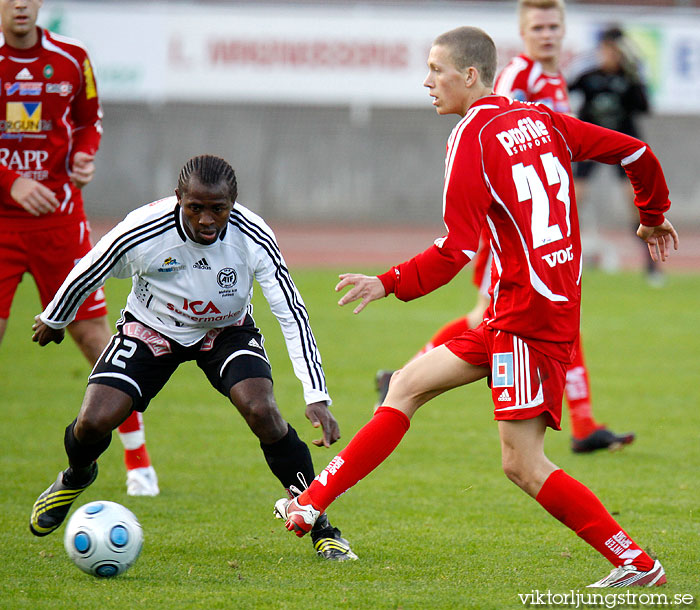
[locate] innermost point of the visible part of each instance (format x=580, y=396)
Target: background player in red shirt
x=508, y=167
x=50, y=130
x=534, y=76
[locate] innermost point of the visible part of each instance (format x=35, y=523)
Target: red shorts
x=524, y=382
x=48, y=255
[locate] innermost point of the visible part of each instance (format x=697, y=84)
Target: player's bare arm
x=43, y=334
x=33, y=196
x=83, y=169
x=319, y=414
x=659, y=239
x=365, y=287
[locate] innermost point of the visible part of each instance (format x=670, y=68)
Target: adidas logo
x=505, y=396
x=24, y=74
x=202, y=264
x=254, y=343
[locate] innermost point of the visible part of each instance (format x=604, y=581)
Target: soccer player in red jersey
x=508, y=168
x=50, y=130
x=534, y=76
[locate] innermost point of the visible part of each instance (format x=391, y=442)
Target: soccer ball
x=103, y=538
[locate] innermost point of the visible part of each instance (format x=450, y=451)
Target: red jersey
x=49, y=111
x=508, y=167
x=523, y=79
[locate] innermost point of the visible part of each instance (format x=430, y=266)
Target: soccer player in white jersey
x=508, y=167
x=193, y=259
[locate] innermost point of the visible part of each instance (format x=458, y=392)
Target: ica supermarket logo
x=22, y=117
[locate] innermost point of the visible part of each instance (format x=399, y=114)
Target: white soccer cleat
x=298, y=518
x=142, y=482
x=629, y=576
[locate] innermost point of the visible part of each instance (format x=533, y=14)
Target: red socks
x=132, y=435
x=578, y=396
x=562, y=496
x=367, y=449
x=578, y=508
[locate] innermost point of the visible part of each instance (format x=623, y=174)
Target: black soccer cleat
x=52, y=506
x=602, y=438
x=328, y=542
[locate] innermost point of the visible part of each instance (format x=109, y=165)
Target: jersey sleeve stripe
x=266, y=241
x=633, y=157
x=78, y=290
x=50, y=46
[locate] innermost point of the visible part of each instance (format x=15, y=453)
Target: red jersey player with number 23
x=508, y=167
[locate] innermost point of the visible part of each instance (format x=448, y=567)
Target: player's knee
x=263, y=417
x=514, y=469
x=407, y=388
x=92, y=428
x=527, y=476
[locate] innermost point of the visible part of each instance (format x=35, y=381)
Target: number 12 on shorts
x=125, y=352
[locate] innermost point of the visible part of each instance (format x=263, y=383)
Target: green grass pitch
x=436, y=526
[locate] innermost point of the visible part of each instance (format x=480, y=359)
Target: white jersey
x=183, y=289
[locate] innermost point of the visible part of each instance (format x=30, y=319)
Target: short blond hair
x=525, y=5
x=470, y=46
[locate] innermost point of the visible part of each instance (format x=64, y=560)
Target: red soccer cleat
x=629, y=576
x=298, y=518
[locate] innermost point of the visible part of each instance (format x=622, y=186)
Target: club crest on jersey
x=502, y=371
x=527, y=134
x=226, y=278
x=169, y=265
x=48, y=71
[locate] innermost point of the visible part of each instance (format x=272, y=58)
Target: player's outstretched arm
x=319, y=415
x=365, y=287
x=43, y=334
x=659, y=239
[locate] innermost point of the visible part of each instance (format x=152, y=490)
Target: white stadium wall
x=321, y=109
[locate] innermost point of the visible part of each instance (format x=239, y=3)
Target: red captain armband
x=390, y=279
